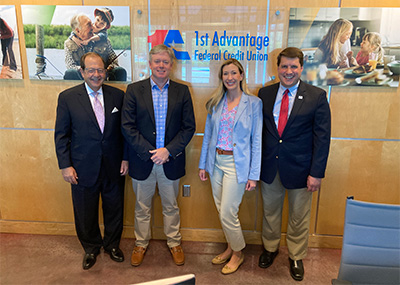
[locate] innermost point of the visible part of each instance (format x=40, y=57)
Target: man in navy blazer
x=89, y=148
x=158, y=123
x=294, y=160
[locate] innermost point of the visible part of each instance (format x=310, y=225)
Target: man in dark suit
x=89, y=147
x=296, y=139
x=158, y=123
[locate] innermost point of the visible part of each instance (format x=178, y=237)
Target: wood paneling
x=364, y=159
x=365, y=113
x=367, y=170
x=32, y=188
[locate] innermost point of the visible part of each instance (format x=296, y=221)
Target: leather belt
x=224, y=152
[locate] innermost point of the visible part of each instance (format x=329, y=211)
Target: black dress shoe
x=296, y=269
x=89, y=259
x=267, y=258
x=116, y=254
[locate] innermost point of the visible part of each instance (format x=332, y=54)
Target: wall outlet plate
x=186, y=190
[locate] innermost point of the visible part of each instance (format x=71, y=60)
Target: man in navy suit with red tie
x=90, y=151
x=296, y=139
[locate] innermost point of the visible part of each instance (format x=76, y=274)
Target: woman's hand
x=202, y=175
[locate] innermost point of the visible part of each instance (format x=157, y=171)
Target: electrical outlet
x=186, y=191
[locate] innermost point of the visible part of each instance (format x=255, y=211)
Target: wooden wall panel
x=35, y=199
x=367, y=170
x=365, y=113
x=32, y=187
x=369, y=3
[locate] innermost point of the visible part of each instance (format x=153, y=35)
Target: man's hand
x=313, y=184
x=69, y=175
x=160, y=155
x=251, y=185
x=202, y=175
x=124, y=168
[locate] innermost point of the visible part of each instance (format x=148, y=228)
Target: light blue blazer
x=246, y=138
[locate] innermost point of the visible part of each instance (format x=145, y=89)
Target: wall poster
x=347, y=46
x=57, y=36
x=10, y=65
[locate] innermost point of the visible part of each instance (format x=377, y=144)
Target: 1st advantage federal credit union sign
x=222, y=40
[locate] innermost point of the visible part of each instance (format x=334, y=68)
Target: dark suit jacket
x=304, y=146
x=78, y=139
x=139, y=128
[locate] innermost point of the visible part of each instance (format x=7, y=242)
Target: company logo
x=170, y=38
x=220, y=45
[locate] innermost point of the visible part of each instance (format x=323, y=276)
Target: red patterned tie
x=283, y=114
x=98, y=111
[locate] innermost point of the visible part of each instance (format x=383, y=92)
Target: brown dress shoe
x=137, y=255
x=177, y=255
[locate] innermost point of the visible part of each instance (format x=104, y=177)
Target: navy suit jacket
x=78, y=139
x=304, y=146
x=139, y=128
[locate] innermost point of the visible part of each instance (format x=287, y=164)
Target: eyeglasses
x=92, y=71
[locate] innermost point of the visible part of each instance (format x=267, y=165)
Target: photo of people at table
x=347, y=46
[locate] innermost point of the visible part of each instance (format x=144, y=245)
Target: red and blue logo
x=170, y=38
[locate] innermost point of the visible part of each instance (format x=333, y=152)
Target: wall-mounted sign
x=223, y=41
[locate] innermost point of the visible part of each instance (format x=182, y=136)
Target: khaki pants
x=299, y=218
x=228, y=194
x=144, y=191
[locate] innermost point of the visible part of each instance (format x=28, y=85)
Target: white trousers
x=144, y=191
x=228, y=194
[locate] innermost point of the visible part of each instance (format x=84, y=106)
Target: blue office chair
x=371, y=244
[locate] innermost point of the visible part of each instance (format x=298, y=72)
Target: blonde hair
x=375, y=40
x=162, y=48
x=217, y=96
x=330, y=42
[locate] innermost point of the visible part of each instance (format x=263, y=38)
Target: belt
x=224, y=152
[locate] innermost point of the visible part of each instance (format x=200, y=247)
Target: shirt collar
x=153, y=84
x=90, y=91
x=292, y=90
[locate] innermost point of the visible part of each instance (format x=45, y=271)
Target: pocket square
x=114, y=110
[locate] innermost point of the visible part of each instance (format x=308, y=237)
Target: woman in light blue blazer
x=231, y=154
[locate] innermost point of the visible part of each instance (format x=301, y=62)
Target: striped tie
x=98, y=111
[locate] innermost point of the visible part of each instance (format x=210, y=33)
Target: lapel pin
x=300, y=97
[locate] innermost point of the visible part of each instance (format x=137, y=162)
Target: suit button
x=280, y=141
x=154, y=133
x=276, y=156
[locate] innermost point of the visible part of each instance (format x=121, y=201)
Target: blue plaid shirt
x=160, y=105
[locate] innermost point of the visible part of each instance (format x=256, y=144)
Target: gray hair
x=75, y=21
